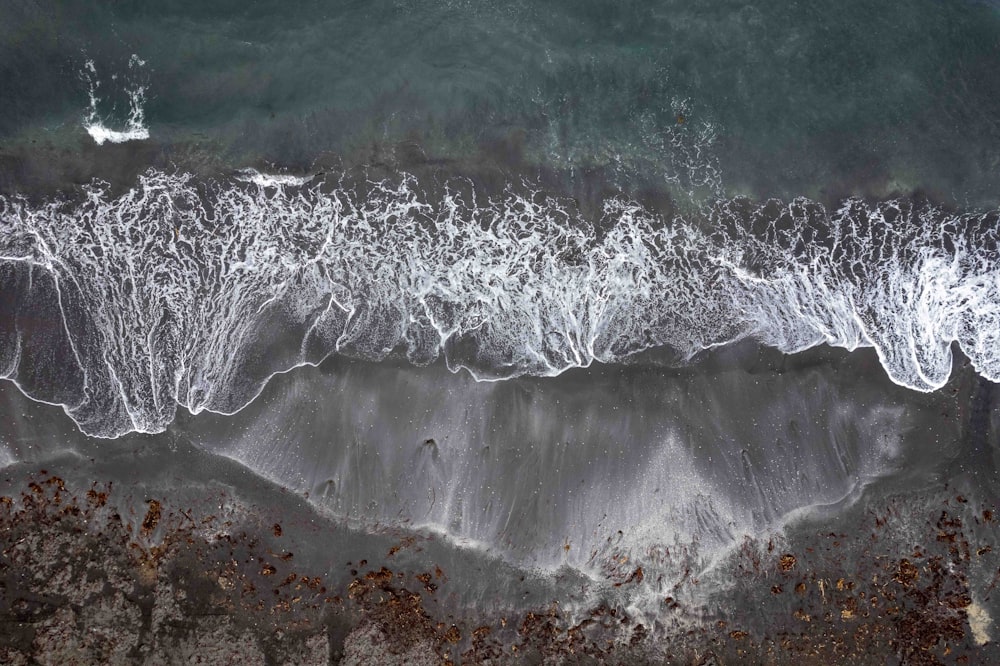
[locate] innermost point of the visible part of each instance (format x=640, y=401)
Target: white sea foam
x=171, y=291
x=100, y=134
x=134, y=126
x=271, y=180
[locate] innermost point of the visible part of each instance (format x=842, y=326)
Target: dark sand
x=156, y=549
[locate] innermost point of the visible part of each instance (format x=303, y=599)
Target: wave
x=193, y=293
x=99, y=133
x=135, y=124
x=271, y=180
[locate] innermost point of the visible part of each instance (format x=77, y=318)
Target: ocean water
x=562, y=283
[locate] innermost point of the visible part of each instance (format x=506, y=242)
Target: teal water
x=768, y=99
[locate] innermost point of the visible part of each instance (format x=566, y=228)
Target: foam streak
x=179, y=292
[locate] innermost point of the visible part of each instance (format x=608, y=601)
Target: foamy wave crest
x=135, y=124
x=271, y=180
x=194, y=294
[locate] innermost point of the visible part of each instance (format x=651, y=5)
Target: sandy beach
x=217, y=539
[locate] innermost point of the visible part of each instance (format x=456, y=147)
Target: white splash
x=271, y=180
x=135, y=124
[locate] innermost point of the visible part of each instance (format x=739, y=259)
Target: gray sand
x=494, y=501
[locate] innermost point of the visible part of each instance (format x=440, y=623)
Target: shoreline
x=397, y=608
x=205, y=571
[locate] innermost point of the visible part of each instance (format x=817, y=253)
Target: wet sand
x=791, y=493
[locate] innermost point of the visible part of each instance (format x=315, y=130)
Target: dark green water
x=784, y=99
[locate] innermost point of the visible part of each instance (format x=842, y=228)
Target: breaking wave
x=193, y=294
x=134, y=127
